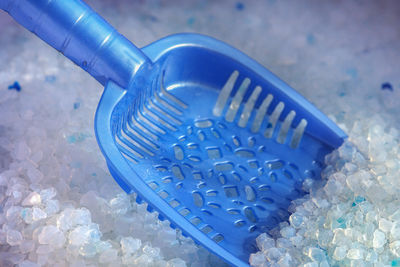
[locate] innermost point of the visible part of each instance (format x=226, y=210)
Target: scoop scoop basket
x=209, y=138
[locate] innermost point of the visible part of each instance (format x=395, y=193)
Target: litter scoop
x=209, y=138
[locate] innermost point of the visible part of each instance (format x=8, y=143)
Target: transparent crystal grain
x=340, y=253
x=130, y=245
x=379, y=239
x=51, y=235
x=316, y=254
x=14, y=237
x=32, y=199
x=38, y=214
x=355, y=254
x=257, y=259
x=48, y=193
x=395, y=248
x=176, y=262
x=265, y=242
x=288, y=232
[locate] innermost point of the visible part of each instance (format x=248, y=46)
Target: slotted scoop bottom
x=219, y=150
x=210, y=139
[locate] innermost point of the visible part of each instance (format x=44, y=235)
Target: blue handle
x=74, y=29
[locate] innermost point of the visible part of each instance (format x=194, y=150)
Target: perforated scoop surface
x=230, y=169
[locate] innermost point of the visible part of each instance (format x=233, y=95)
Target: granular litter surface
x=59, y=206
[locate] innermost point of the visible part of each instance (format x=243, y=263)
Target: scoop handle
x=78, y=32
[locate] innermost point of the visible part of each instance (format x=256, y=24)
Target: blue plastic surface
x=75, y=30
x=223, y=173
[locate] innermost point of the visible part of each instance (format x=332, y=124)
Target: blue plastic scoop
x=209, y=138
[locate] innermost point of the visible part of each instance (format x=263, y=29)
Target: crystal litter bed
x=59, y=206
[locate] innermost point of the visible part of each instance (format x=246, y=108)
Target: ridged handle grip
x=74, y=29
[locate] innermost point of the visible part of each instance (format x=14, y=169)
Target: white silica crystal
x=127, y=259
x=52, y=206
x=274, y=254
x=88, y=250
x=64, y=220
x=26, y=215
x=12, y=213
x=316, y=254
x=77, y=236
x=297, y=240
x=32, y=199
x=257, y=259
x=286, y=260
x=311, y=264
x=395, y=216
x=48, y=146
x=72, y=217
x=27, y=246
x=284, y=243
x=14, y=237
x=120, y=204
x=340, y=253
x=48, y=193
x=102, y=246
x=331, y=188
x=371, y=216
x=395, y=248
x=44, y=249
x=359, y=223
x=38, y=214
x=130, y=245
x=296, y=220
x=84, y=234
x=81, y=216
x=339, y=237
x=395, y=231
x=265, y=242
x=151, y=251
x=379, y=239
x=372, y=257
x=144, y=260
x=51, y=235
x=176, y=262
x=288, y=232
x=359, y=182
x=355, y=254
